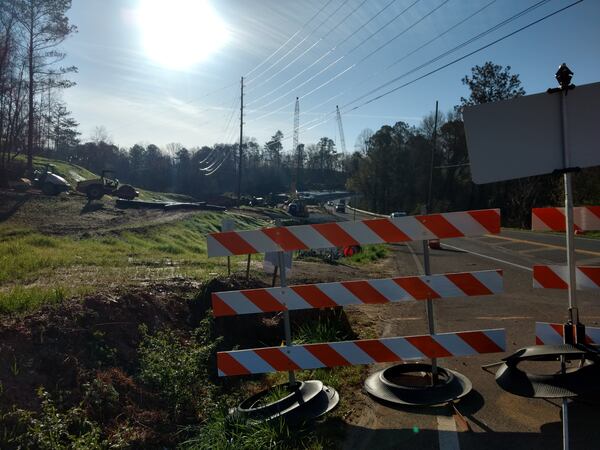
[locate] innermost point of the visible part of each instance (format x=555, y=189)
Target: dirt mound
x=72, y=214
x=59, y=346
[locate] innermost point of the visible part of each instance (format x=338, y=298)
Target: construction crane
x=341, y=128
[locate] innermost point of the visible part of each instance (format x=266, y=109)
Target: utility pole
x=433, y=149
x=239, y=189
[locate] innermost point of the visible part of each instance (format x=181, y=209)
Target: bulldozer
x=105, y=185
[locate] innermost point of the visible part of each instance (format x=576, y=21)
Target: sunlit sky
x=158, y=71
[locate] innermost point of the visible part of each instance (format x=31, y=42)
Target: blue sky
x=123, y=87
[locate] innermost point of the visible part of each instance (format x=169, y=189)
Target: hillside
x=74, y=174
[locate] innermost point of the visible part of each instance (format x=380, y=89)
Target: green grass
x=160, y=251
x=370, y=253
x=22, y=299
x=223, y=432
x=323, y=329
x=592, y=234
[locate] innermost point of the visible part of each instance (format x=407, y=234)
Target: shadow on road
x=583, y=420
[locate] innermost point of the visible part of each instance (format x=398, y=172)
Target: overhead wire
x=349, y=53
x=350, y=35
x=289, y=39
x=446, y=53
x=454, y=49
x=397, y=61
x=454, y=61
x=329, y=31
x=225, y=130
x=251, y=80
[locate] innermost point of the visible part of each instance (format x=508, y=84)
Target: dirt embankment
x=64, y=348
x=74, y=215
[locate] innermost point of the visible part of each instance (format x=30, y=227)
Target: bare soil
x=72, y=214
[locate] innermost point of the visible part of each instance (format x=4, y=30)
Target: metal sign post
x=228, y=224
x=430, y=313
x=286, y=314
x=563, y=76
x=429, y=305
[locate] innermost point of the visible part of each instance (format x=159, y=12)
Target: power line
x=297, y=45
x=454, y=49
x=459, y=59
x=290, y=38
x=339, y=44
x=397, y=61
x=446, y=53
x=311, y=47
x=347, y=54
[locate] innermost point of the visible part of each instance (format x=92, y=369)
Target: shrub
x=55, y=430
x=178, y=368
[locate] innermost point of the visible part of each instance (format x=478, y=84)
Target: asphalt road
x=497, y=420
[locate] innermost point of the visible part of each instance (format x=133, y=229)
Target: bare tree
x=45, y=26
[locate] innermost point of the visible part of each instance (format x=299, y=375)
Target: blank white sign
x=522, y=137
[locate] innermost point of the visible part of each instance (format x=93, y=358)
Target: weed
x=369, y=253
x=101, y=398
x=101, y=353
x=323, y=329
x=178, y=369
x=274, y=394
x=55, y=430
x=224, y=432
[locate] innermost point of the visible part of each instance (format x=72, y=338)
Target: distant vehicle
x=330, y=203
x=50, y=183
x=95, y=189
x=340, y=207
x=398, y=214
x=297, y=209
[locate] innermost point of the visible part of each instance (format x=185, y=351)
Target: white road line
x=447, y=435
x=416, y=259
x=488, y=257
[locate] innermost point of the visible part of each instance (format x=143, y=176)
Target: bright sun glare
x=180, y=33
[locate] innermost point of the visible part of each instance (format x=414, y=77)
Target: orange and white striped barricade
x=363, y=232
x=585, y=218
x=372, y=231
x=368, y=351
x=557, y=277
x=553, y=334
x=344, y=293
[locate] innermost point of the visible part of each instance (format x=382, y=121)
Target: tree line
x=398, y=167
x=205, y=172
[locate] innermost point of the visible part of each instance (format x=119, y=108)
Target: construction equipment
x=298, y=208
x=96, y=189
x=49, y=182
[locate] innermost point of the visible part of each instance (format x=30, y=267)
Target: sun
x=179, y=34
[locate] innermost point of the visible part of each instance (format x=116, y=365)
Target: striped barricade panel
x=342, y=234
x=553, y=334
x=369, y=351
x=324, y=295
x=585, y=218
x=556, y=277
